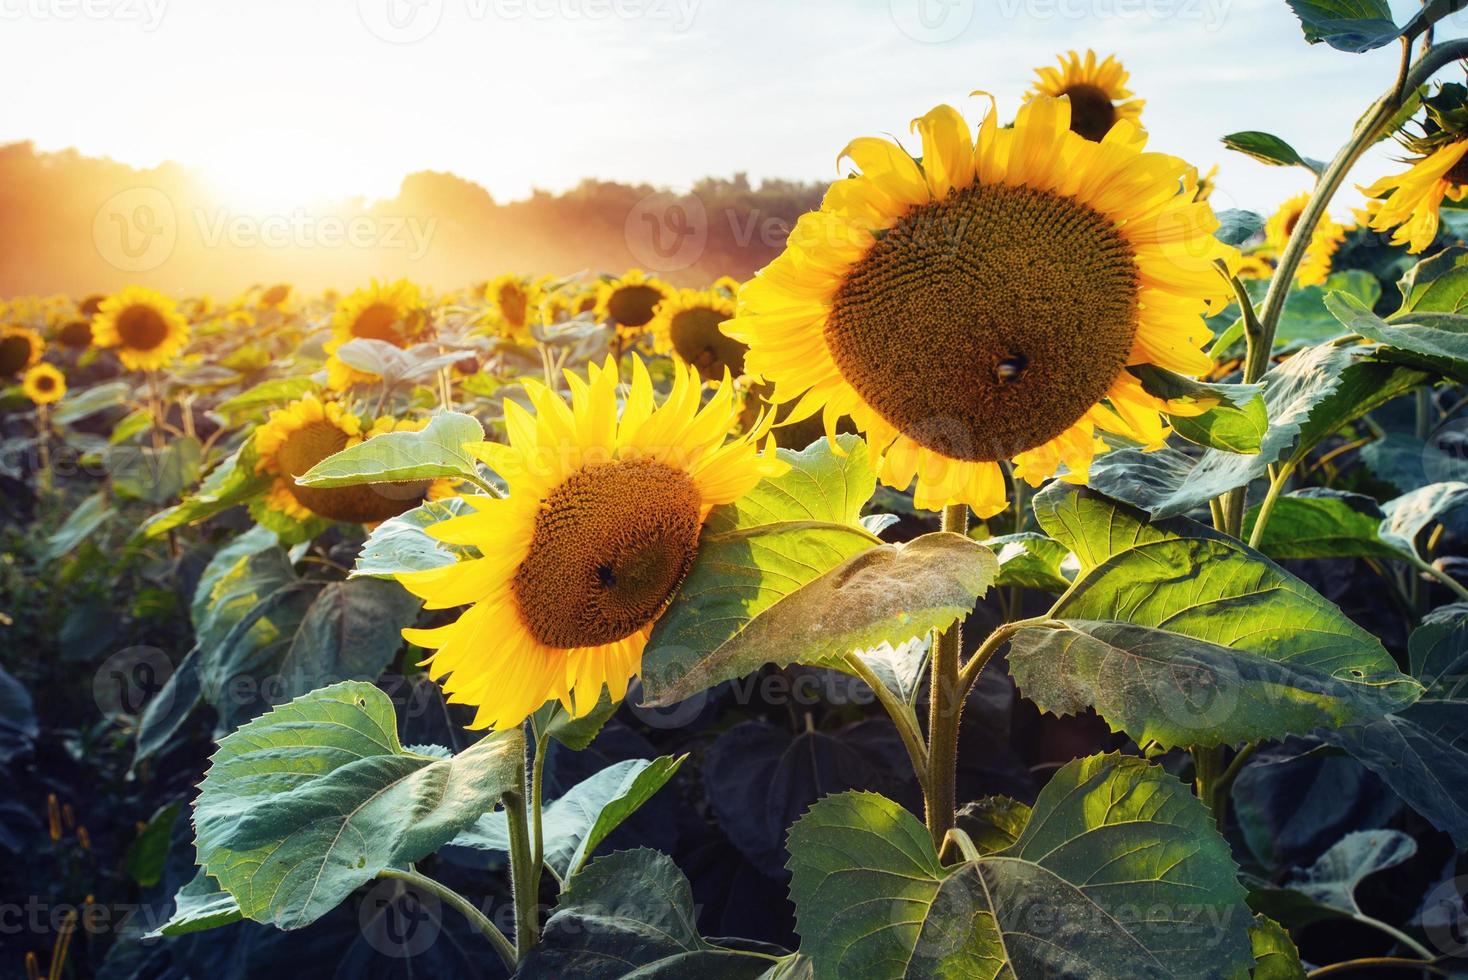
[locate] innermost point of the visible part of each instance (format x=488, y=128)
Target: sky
x=279, y=102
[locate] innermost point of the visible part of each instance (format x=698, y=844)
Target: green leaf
x=1236, y=422
x=1236, y=227
x=788, y=594
x=1270, y=149
x=1167, y=483
x=1031, y=561
x=199, y=905
x=576, y=823
x=266, y=394
x=1408, y=515
x=402, y=544
x=1322, y=523
x=84, y=522
x=1327, y=889
x=155, y=476
x=1347, y=25
x=1438, y=284
x=234, y=481
x=1275, y=955
x=575, y=734
x=822, y=484
x=315, y=798
x=147, y=854
x=1438, y=341
x=899, y=667
x=994, y=822
x=136, y=422
x=82, y=403
x=437, y=450
x=631, y=915
x=1177, y=690
x=1116, y=854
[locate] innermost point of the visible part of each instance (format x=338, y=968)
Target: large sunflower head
x=20, y=347
x=985, y=304
x=44, y=384
x=1098, y=94
x=687, y=324
x=514, y=306
x=305, y=432
x=144, y=326
x=391, y=312
x=600, y=526
x=630, y=301
x=1324, y=240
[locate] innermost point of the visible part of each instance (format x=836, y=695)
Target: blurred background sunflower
x=391, y=312
x=629, y=301
x=687, y=325
x=1097, y=92
x=142, y=326
x=44, y=384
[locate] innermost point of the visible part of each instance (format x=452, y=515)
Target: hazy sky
x=280, y=101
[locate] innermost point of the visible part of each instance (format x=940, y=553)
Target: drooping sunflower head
x=44, y=384
x=20, y=347
x=302, y=434
x=275, y=295
x=1324, y=240
x=599, y=528
x=687, y=325
x=391, y=312
x=514, y=306
x=985, y=305
x=630, y=301
x=88, y=306
x=143, y=326
x=1097, y=91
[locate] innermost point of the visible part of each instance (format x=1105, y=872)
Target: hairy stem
x=945, y=706
x=902, y=715
x=466, y=908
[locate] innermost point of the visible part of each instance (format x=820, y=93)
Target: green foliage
x=436, y=450
x=1270, y=149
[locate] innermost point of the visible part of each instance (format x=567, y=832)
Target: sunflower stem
x=945, y=708
x=463, y=906
x=524, y=873
x=902, y=715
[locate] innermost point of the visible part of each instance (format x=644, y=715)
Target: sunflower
x=20, y=347
x=514, y=306
x=275, y=295
x=1417, y=195
x=1324, y=240
x=43, y=384
x=727, y=285
x=598, y=530
x=980, y=306
x=75, y=334
x=687, y=324
x=305, y=432
x=1201, y=187
x=392, y=312
x=1254, y=267
x=143, y=325
x=1098, y=93
x=630, y=301
x=567, y=302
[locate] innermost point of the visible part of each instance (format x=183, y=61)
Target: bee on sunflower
x=599, y=528
x=1097, y=91
x=630, y=301
x=1324, y=240
x=514, y=306
x=1409, y=204
x=44, y=384
x=20, y=347
x=985, y=304
x=305, y=432
x=143, y=326
x=392, y=312
x=687, y=325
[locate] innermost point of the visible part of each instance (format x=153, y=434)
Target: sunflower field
x=1031, y=572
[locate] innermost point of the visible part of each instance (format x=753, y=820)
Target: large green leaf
x=436, y=450
x=1176, y=690
x=201, y=904
x=266, y=394
x=1031, y=561
x=234, y=481
x=1270, y=149
x=402, y=543
x=1437, y=284
x=577, y=822
x=1236, y=420
x=1408, y=515
x=824, y=483
x=1327, y=889
x=788, y=594
x=1119, y=873
x=1436, y=340
x=1322, y=523
x=316, y=797
x=1167, y=483
x=631, y=915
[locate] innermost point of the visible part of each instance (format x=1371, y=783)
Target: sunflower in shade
x=391, y=312
x=1097, y=91
x=986, y=304
x=630, y=301
x=43, y=384
x=1324, y=240
x=514, y=306
x=599, y=528
x=20, y=347
x=305, y=432
x=142, y=326
x=687, y=325
x=1408, y=204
